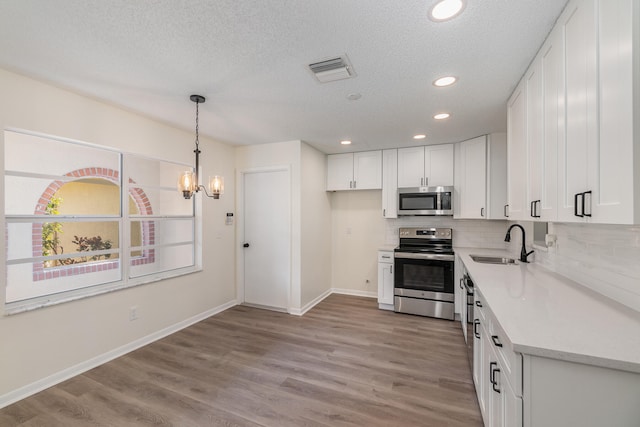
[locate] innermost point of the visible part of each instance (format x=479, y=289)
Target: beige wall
x=45, y=342
x=358, y=230
x=310, y=214
x=279, y=154
x=316, y=226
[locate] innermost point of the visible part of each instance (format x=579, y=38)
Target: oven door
x=424, y=275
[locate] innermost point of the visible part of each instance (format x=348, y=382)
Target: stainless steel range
x=423, y=279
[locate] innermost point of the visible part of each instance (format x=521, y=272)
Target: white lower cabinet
x=385, y=280
x=523, y=390
x=500, y=401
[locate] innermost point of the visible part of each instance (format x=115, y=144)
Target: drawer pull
x=497, y=343
x=492, y=376
x=476, y=334
x=478, y=303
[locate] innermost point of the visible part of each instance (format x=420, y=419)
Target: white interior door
x=267, y=238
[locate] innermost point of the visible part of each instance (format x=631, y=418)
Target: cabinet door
x=410, y=167
x=385, y=283
x=516, y=153
x=339, y=172
x=472, y=172
x=367, y=170
x=511, y=415
x=438, y=165
x=497, y=176
x=390, y=183
x=553, y=118
x=534, y=129
x=580, y=61
x=478, y=363
x=614, y=191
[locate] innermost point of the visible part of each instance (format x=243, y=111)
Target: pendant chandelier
x=188, y=182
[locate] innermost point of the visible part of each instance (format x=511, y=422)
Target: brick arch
x=137, y=194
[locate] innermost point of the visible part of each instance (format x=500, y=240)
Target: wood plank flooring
x=344, y=363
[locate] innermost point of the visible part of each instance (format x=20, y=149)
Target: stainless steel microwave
x=425, y=201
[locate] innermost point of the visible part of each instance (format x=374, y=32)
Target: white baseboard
x=310, y=305
x=318, y=299
x=354, y=292
x=58, y=377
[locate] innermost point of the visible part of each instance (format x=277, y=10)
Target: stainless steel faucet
x=523, y=251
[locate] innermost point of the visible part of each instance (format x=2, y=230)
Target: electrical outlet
x=133, y=313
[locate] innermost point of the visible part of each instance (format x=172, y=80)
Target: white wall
x=316, y=226
x=46, y=344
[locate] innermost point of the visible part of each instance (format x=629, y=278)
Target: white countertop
x=545, y=314
x=388, y=247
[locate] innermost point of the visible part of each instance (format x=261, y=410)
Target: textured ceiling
x=249, y=57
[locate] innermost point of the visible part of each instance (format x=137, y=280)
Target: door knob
x=246, y=245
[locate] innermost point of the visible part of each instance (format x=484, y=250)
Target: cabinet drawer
x=511, y=361
x=479, y=307
x=385, y=256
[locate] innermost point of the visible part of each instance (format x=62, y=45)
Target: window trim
x=125, y=260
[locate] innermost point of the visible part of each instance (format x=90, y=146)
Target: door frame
x=240, y=237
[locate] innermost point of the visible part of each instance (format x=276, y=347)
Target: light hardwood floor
x=344, y=363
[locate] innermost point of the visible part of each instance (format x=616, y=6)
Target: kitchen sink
x=493, y=260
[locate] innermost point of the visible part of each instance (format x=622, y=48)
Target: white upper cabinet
x=546, y=150
x=471, y=178
x=481, y=178
x=354, y=171
x=517, y=151
x=571, y=126
x=616, y=186
x=545, y=123
x=390, y=183
x=578, y=24
x=425, y=166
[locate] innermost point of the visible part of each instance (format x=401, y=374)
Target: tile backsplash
x=466, y=233
x=605, y=258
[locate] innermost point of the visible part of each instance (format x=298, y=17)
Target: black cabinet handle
x=246, y=245
x=461, y=283
x=536, y=204
x=492, y=376
x=584, y=196
x=494, y=381
x=506, y=215
x=478, y=303
x=482, y=212
x=575, y=204
x=531, y=209
x=476, y=334
x=497, y=343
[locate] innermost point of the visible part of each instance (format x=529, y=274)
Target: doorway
x=266, y=248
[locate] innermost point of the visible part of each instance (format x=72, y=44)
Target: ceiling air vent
x=332, y=69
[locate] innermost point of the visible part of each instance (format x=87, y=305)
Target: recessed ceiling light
x=354, y=96
x=345, y=142
x=442, y=116
x=445, y=81
x=419, y=136
x=446, y=9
